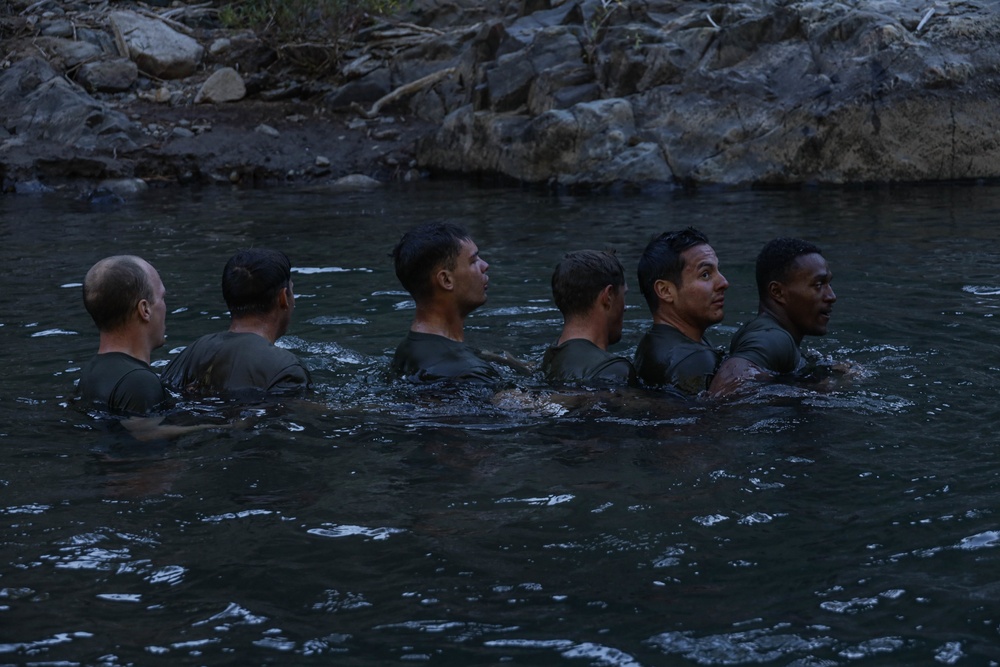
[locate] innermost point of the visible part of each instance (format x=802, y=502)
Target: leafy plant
x=312, y=32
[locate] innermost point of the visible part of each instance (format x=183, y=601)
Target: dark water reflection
x=376, y=524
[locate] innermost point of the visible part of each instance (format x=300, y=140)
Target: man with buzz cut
x=125, y=297
x=257, y=288
x=439, y=265
x=588, y=287
x=680, y=279
x=795, y=300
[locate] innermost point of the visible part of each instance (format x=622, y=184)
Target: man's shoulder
x=121, y=383
x=762, y=326
x=426, y=357
x=581, y=360
x=666, y=357
x=767, y=344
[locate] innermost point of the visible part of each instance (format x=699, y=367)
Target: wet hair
x=662, y=260
x=777, y=258
x=113, y=287
x=253, y=279
x=423, y=250
x=580, y=277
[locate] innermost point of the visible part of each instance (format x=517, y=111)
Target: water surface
x=848, y=522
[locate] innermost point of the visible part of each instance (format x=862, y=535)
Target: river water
x=853, y=521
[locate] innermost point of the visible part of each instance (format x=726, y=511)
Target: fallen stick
x=408, y=89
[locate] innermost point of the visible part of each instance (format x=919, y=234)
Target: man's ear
x=284, y=298
x=444, y=280
x=665, y=290
x=143, y=309
x=776, y=291
x=607, y=296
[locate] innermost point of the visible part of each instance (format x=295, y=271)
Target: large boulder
x=760, y=91
x=55, y=129
x=40, y=106
x=590, y=143
x=155, y=47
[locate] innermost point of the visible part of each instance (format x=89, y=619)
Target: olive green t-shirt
x=579, y=360
x=765, y=343
x=424, y=357
x=229, y=362
x=666, y=357
x=120, y=383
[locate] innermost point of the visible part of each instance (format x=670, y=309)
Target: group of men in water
x=440, y=266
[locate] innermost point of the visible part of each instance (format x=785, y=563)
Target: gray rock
x=355, y=183
x=124, y=187
x=362, y=91
x=155, y=47
x=99, y=38
x=225, y=85
x=760, y=91
x=56, y=28
x=109, y=76
x=267, y=130
x=68, y=53
x=220, y=46
x=42, y=107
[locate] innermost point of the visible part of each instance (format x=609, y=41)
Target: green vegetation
x=312, y=32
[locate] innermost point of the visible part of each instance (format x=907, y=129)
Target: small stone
x=115, y=75
x=234, y=176
x=355, y=182
x=220, y=46
x=181, y=133
x=124, y=186
x=322, y=161
x=268, y=130
x=225, y=85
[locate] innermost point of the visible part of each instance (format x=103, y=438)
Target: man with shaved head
x=125, y=297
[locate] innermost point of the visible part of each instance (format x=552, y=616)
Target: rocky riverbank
x=575, y=93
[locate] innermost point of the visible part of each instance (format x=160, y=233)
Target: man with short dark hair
x=588, y=287
x=257, y=287
x=439, y=265
x=795, y=300
x=680, y=279
x=125, y=297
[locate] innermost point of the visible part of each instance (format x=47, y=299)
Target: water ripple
x=753, y=646
x=335, y=530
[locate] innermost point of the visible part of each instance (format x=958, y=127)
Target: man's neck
x=689, y=330
x=587, y=329
x=439, y=319
x=778, y=315
x=125, y=343
x=267, y=327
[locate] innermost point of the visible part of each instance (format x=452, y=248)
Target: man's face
x=469, y=277
x=700, y=298
x=809, y=297
x=157, y=309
